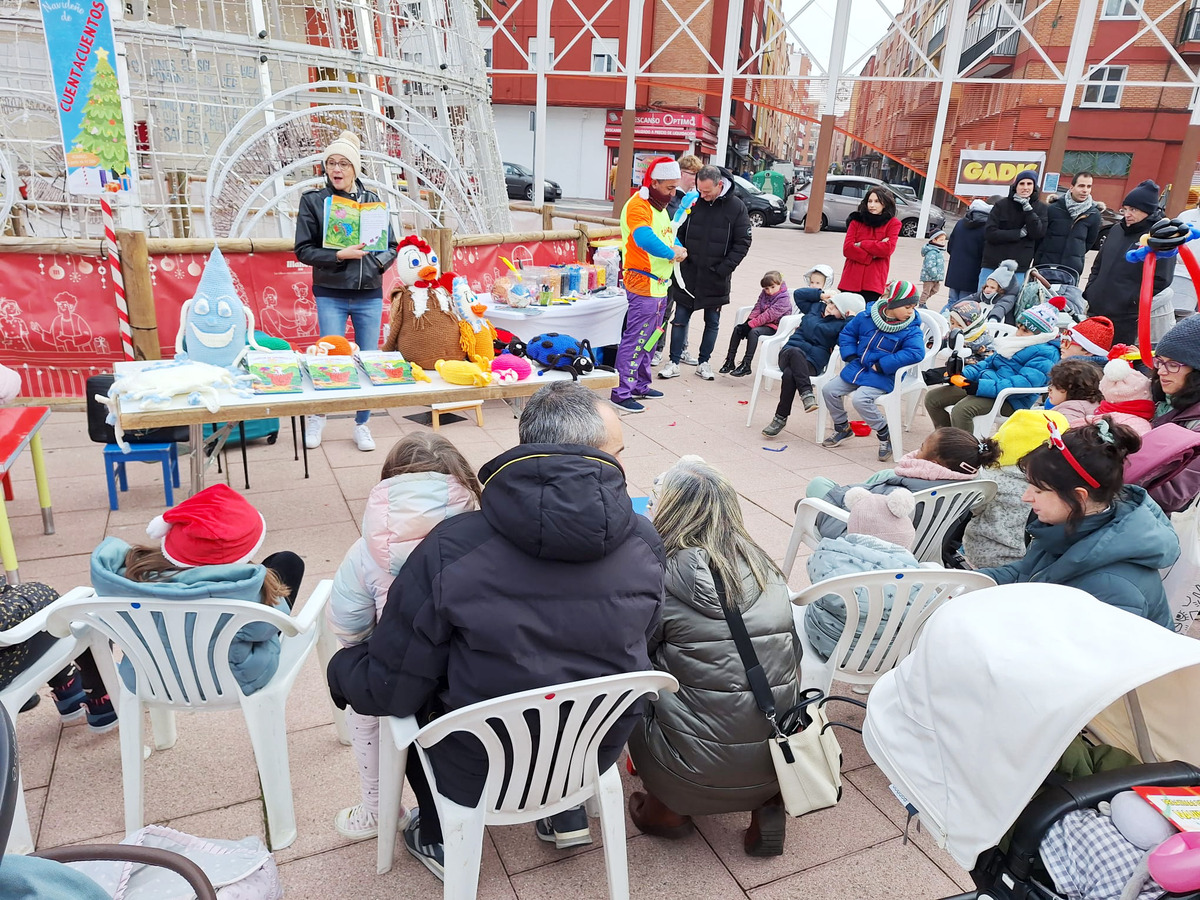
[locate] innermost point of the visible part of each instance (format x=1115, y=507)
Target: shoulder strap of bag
x=759, y=685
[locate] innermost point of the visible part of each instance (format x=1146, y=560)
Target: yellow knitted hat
x=1025, y=430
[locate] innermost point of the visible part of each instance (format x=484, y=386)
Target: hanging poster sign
x=984, y=172
x=79, y=37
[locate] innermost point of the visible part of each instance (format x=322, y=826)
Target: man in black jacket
x=1015, y=225
x=554, y=579
x=1115, y=283
x=716, y=235
x=347, y=283
x=1072, y=226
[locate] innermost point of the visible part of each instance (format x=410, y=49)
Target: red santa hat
x=661, y=168
x=1095, y=335
x=214, y=527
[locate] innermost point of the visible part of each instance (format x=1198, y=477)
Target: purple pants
x=633, y=356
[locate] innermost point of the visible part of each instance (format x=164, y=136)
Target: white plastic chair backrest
x=939, y=508
x=553, y=733
x=914, y=593
x=1000, y=329
x=935, y=330
x=179, y=650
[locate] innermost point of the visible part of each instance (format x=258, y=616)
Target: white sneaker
x=356, y=823
x=362, y=437
x=313, y=426
x=689, y=359
x=704, y=370
x=657, y=359
x=670, y=370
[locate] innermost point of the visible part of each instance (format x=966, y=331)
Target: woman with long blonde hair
x=703, y=750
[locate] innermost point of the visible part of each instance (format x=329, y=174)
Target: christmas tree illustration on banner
x=102, y=131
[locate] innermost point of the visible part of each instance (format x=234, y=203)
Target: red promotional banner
x=58, y=320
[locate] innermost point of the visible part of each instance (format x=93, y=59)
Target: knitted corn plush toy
x=458, y=371
x=478, y=335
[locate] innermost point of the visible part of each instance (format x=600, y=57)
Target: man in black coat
x=1114, y=283
x=966, y=250
x=716, y=235
x=554, y=579
x=1015, y=225
x=1072, y=226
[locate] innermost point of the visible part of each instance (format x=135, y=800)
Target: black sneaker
x=567, y=829
x=431, y=856
x=69, y=698
x=648, y=394
x=809, y=401
x=101, y=717
x=775, y=426
x=839, y=434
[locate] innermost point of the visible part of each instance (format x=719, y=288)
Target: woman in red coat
x=871, y=233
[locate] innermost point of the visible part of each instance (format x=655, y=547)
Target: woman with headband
x=1092, y=531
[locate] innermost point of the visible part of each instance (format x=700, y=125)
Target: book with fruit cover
x=333, y=373
x=349, y=223
x=275, y=372
x=383, y=367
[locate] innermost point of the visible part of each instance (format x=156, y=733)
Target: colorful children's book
x=384, y=367
x=333, y=373
x=1181, y=805
x=349, y=223
x=275, y=372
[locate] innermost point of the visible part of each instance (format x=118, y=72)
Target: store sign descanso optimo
x=660, y=123
x=983, y=172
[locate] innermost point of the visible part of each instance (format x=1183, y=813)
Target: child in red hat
x=204, y=548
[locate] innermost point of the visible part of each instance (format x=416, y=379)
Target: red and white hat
x=216, y=527
x=661, y=168
x=1095, y=335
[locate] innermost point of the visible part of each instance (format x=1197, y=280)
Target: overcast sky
x=868, y=23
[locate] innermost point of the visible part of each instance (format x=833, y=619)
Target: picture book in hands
x=349, y=223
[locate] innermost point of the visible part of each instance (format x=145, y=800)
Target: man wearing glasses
x=347, y=283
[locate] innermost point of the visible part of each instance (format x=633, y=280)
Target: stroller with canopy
x=1044, y=282
x=1002, y=680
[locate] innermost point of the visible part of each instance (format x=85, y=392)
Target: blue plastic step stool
x=114, y=467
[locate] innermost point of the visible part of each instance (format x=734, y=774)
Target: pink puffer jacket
x=400, y=511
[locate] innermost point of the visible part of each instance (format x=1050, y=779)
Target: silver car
x=843, y=194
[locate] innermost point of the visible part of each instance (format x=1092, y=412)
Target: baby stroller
x=1001, y=681
x=1060, y=281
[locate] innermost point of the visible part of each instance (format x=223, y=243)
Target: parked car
x=765, y=209
x=1108, y=218
x=519, y=181
x=843, y=194
x=903, y=190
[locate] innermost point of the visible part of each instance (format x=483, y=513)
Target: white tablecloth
x=596, y=319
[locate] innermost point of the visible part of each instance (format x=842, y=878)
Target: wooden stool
x=439, y=408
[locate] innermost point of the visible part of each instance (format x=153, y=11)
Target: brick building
x=675, y=115
x=1119, y=130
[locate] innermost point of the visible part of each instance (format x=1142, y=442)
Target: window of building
x=605, y=52
x=1104, y=86
x=487, y=57
x=1103, y=164
x=533, y=53
x=1119, y=9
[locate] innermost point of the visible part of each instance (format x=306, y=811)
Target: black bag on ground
x=102, y=433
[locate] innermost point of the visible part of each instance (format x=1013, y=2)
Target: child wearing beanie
x=1074, y=390
x=878, y=536
x=1000, y=292
x=1021, y=360
x=1126, y=394
x=969, y=317
x=995, y=535
x=202, y=549
x=933, y=266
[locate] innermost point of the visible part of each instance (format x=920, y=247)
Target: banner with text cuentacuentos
x=79, y=37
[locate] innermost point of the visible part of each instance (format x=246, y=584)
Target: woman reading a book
x=347, y=278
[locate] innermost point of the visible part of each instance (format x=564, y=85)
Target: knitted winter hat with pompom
x=1122, y=382
x=885, y=516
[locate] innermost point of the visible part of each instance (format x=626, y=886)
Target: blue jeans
x=956, y=295
x=863, y=397
x=1018, y=279
x=366, y=314
x=679, y=327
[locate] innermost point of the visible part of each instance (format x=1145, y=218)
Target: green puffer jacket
x=703, y=751
x=1114, y=556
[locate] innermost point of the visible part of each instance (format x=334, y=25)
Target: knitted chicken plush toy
x=424, y=326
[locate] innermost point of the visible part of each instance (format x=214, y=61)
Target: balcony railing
x=983, y=47
x=1189, y=27
x=936, y=41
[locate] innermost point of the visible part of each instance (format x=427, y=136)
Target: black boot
x=727, y=366
x=743, y=369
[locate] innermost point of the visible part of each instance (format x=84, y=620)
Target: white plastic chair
x=1000, y=329
x=986, y=424
x=194, y=684
x=915, y=594
x=936, y=510
x=909, y=385
x=561, y=772
x=60, y=654
x=766, y=367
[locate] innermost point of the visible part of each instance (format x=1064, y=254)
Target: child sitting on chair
x=204, y=550
x=1126, y=395
x=1075, y=389
x=772, y=305
x=425, y=481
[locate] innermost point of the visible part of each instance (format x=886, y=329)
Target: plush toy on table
x=507, y=368
x=558, y=352
x=332, y=345
x=215, y=327
x=424, y=326
x=459, y=371
x=478, y=335
x=1166, y=238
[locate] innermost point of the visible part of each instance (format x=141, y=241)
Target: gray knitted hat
x=1182, y=343
x=1003, y=273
